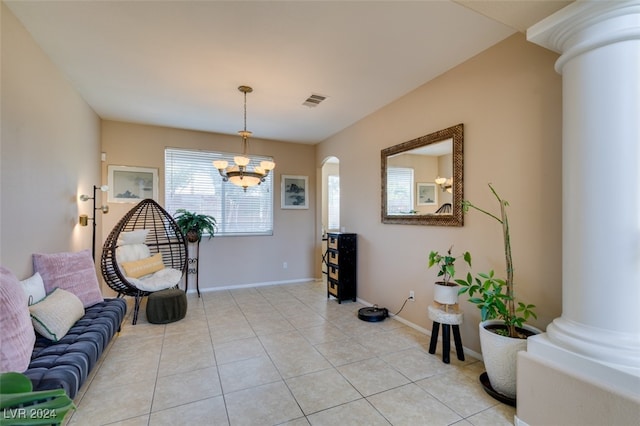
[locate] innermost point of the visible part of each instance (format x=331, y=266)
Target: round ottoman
x=166, y=306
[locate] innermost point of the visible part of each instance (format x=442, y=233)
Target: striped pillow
x=54, y=315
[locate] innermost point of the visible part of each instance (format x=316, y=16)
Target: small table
x=447, y=318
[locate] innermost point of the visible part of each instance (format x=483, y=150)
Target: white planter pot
x=500, y=355
x=447, y=295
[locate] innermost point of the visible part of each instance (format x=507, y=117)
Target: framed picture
x=295, y=192
x=427, y=194
x=131, y=184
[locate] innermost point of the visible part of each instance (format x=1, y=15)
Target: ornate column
x=598, y=335
x=599, y=44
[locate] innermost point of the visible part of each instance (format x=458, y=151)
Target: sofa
x=55, y=325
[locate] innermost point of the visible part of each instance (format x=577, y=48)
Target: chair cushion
x=54, y=315
x=165, y=278
x=74, y=272
x=18, y=337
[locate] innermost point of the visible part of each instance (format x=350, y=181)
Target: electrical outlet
x=284, y=265
x=412, y=296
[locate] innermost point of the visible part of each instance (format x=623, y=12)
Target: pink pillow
x=73, y=272
x=18, y=337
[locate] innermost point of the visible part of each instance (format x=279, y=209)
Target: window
x=399, y=190
x=192, y=183
x=333, y=201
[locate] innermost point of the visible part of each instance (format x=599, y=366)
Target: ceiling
x=179, y=63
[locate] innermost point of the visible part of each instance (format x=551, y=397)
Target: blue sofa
x=67, y=363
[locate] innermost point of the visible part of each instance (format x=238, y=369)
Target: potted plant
x=21, y=405
x=446, y=290
x=503, y=331
x=193, y=225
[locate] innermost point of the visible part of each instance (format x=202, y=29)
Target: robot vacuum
x=373, y=314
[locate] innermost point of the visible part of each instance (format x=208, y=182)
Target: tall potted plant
x=194, y=225
x=503, y=331
x=446, y=290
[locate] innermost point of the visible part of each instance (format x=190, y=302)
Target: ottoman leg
x=434, y=337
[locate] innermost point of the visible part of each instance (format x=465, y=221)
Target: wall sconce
x=445, y=184
x=83, y=219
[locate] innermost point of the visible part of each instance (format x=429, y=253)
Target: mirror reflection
x=422, y=180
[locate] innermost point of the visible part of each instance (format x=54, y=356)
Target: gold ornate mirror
x=422, y=180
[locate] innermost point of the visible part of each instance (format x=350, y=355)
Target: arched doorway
x=330, y=195
x=330, y=204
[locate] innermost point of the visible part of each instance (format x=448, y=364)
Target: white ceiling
x=179, y=63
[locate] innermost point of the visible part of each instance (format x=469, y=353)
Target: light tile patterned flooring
x=280, y=355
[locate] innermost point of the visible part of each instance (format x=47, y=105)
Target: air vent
x=314, y=100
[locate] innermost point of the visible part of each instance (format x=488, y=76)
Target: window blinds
x=192, y=183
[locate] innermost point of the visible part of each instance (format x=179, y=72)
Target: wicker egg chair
x=164, y=237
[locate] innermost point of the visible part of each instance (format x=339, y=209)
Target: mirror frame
x=456, y=218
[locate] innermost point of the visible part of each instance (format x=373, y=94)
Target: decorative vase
x=500, y=355
x=445, y=294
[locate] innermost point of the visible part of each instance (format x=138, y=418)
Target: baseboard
x=467, y=351
x=251, y=285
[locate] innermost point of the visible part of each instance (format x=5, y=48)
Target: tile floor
x=280, y=355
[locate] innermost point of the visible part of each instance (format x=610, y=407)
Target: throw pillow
x=54, y=315
x=131, y=252
x=142, y=267
x=133, y=237
x=73, y=272
x=34, y=288
x=18, y=336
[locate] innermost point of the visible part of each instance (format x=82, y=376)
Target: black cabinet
x=342, y=265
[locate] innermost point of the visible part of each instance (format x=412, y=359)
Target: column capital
x=586, y=25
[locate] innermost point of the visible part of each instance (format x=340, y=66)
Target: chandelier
x=446, y=184
x=239, y=174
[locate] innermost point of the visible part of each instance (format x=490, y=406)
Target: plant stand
x=449, y=317
x=193, y=267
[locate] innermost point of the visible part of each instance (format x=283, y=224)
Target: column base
x=556, y=386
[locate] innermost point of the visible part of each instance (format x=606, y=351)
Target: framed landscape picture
x=427, y=194
x=295, y=192
x=131, y=184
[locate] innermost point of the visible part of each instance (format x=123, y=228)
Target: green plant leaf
x=12, y=382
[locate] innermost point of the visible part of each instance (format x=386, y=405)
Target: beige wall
x=49, y=154
x=509, y=99
x=227, y=261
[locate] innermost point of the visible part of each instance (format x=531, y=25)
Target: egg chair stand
x=164, y=237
